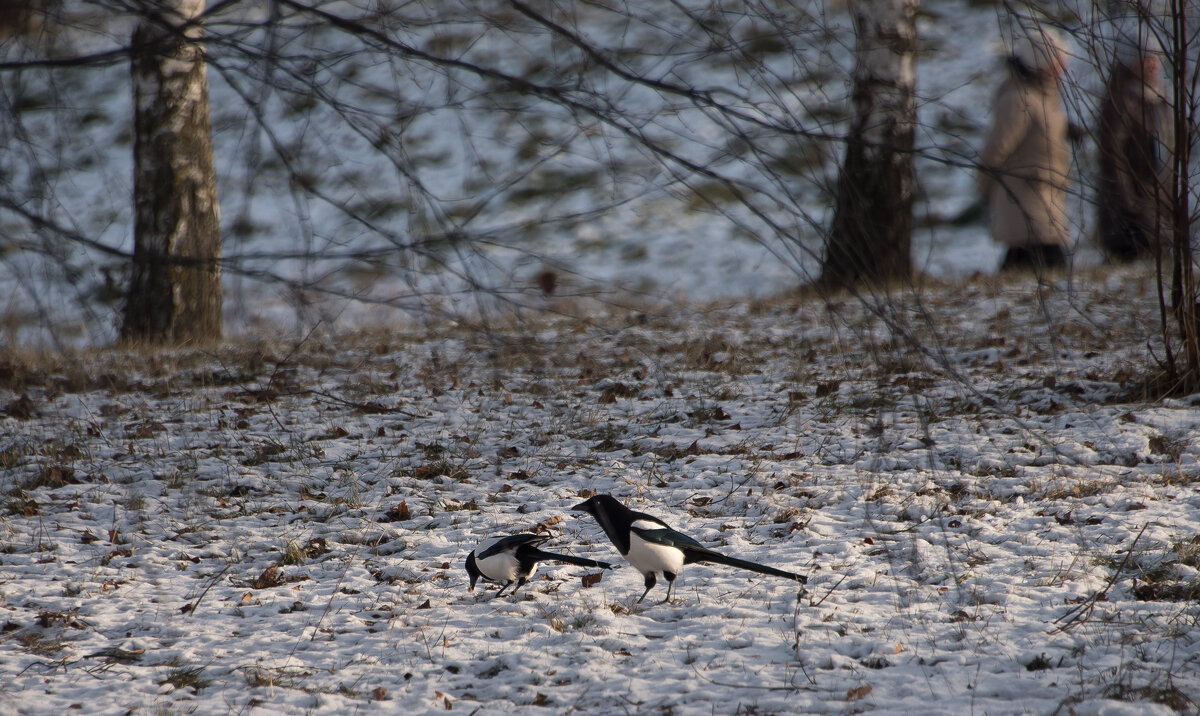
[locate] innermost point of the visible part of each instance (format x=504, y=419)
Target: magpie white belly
x=501, y=568
x=652, y=557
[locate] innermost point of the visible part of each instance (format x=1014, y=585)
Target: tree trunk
x=175, y=289
x=1185, y=293
x=871, y=236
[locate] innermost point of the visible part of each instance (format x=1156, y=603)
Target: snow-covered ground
x=989, y=521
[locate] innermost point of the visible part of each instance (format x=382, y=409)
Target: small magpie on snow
x=514, y=559
x=651, y=546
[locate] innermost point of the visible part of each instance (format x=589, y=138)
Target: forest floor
x=993, y=515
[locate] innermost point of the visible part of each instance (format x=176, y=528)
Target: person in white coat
x=1024, y=165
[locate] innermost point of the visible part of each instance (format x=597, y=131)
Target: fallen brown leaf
x=271, y=577
x=545, y=525
x=399, y=513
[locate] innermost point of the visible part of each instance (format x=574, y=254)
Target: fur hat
x=1134, y=44
x=1039, y=48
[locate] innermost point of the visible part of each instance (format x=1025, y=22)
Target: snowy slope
x=272, y=529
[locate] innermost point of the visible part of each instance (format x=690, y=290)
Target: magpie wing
x=670, y=538
x=511, y=544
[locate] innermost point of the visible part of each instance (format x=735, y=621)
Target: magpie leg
x=650, y=582
x=670, y=586
x=519, y=583
x=502, y=588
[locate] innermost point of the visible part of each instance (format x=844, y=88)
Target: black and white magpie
x=514, y=559
x=652, y=546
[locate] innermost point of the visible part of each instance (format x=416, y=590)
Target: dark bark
x=1185, y=293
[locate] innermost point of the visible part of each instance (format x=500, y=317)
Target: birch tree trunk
x=175, y=288
x=871, y=236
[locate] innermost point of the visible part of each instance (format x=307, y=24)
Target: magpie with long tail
x=653, y=547
x=514, y=558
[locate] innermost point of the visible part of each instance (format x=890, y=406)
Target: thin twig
x=839, y=583
x=745, y=686
x=196, y=604
x=364, y=407
x=1084, y=609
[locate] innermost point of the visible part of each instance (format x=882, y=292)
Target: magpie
x=652, y=546
x=514, y=559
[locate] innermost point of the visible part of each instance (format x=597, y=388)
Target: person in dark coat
x=1133, y=195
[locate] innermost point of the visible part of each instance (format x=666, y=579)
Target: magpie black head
x=472, y=570
x=597, y=504
x=613, y=517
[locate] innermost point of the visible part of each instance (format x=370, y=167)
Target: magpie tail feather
x=752, y=566
x=543, y=556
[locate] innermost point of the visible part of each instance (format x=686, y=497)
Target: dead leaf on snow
x=399, y=513
x=546, y=525
x=113, y=554
x=117, y=654
x=273, y=577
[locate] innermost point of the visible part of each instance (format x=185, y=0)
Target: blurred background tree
x=870, y=240
x=440, y=159
x=175, y=285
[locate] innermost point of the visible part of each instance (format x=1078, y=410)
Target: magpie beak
x=514, y=558
x=652, y=547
